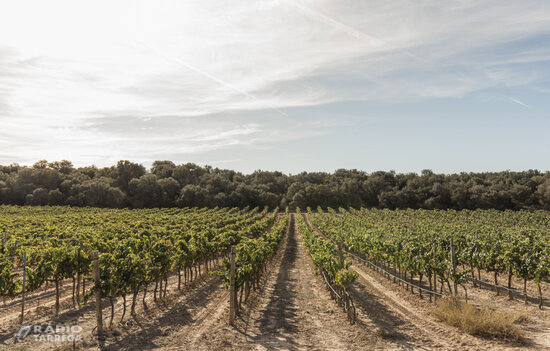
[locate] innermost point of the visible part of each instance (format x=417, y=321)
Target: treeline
x=166, y=184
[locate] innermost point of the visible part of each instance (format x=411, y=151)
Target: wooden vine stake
x=78, y=278
x=510, y=295
x=453, y=262
x=473, y=274
x=23, y=288
x=97, y=288
x=340, y=255
x=232, y=292
x=435, y=272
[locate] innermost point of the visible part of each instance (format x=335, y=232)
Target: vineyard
x=136, y=248
x=419, y=244
x=344, y=279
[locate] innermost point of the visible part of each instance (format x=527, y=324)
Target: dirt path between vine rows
x=293, y=311
x=416, y=314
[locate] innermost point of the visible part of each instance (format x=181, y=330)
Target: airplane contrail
x=321, y=17
x=519, y=102
x=203, y=73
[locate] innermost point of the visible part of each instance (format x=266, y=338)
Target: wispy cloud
x=196, y=59
x=519, y=102
x=204, y=73
x=373, y=43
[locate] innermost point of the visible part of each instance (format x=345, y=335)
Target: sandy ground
x=137, y=332
x=418, y=311
x=291, y=311
x=294, y=312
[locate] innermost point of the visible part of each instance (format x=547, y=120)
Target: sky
x=282, y=85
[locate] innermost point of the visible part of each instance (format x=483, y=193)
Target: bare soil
x=292, y=310
x=139, y=332
x=418, y=310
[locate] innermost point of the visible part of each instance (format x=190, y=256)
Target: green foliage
x=326, y=256
x=254, y=250
x=490, y=240
x=136, y=247
x=129, y=184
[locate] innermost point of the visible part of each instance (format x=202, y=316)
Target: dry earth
x=291, y=311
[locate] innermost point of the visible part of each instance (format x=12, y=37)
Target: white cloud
x=66, y=64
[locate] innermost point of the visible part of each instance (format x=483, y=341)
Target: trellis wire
x=393, y=275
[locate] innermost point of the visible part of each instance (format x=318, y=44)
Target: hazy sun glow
x=68, y=67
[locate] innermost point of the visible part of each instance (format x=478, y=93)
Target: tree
x=39, y=196
x=193, y=195
x=100, y=193
x=145, y=191
x=163, y=169
x=126, y=171
x=166, y=184
x=64, y=166
x=170, y=190
x=188, y=173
